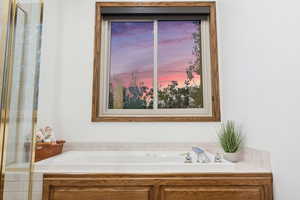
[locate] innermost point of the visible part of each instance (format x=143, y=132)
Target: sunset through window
x=140, y=79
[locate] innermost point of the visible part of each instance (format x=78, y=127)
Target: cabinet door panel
x=212, y=193
x=100, y=193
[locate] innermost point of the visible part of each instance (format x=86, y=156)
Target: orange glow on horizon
x=143, y=79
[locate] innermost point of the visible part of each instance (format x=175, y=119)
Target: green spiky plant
x=230, y=138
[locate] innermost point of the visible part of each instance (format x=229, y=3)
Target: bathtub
x=128, y=162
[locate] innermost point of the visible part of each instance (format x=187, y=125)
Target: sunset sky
x=132, y=52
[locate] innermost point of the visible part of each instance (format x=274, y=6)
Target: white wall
x=259, y=69
x=259, y=43
x=66, y=84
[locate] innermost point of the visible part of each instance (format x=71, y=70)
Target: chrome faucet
x=201, y=155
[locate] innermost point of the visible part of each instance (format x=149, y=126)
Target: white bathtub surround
x=247, y=155
x=148, y=158
x=129, y=162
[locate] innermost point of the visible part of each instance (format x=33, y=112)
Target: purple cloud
x=132, y=49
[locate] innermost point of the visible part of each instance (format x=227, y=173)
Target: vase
x=232, y=157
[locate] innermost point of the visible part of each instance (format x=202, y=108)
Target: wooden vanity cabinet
x=157, y=187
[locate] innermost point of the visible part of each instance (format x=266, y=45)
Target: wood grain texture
x=96, y=72
x=158, y=186
x=214, y=64
x=158, y=4
x=212, y=193
x=96, y=193
x=216, y=113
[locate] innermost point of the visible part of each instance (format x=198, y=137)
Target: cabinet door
x=100, y=193
x=212, y=193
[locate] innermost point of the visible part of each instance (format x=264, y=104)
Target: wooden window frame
x=216, y=114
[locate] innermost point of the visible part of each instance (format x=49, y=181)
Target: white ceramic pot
x=232, y=157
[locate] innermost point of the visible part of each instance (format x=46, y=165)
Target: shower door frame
x=5, y=59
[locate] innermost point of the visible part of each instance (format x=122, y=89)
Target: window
x=154, y=62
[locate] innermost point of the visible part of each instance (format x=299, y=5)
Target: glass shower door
x=19, y=97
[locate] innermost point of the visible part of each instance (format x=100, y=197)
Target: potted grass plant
x=231, y=140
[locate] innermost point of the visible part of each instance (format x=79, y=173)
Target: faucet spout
x=201, y=155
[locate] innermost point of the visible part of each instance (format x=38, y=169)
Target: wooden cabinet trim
x=155, y=175
x=156, y=185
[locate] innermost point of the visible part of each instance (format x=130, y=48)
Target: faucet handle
x=188, y=158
